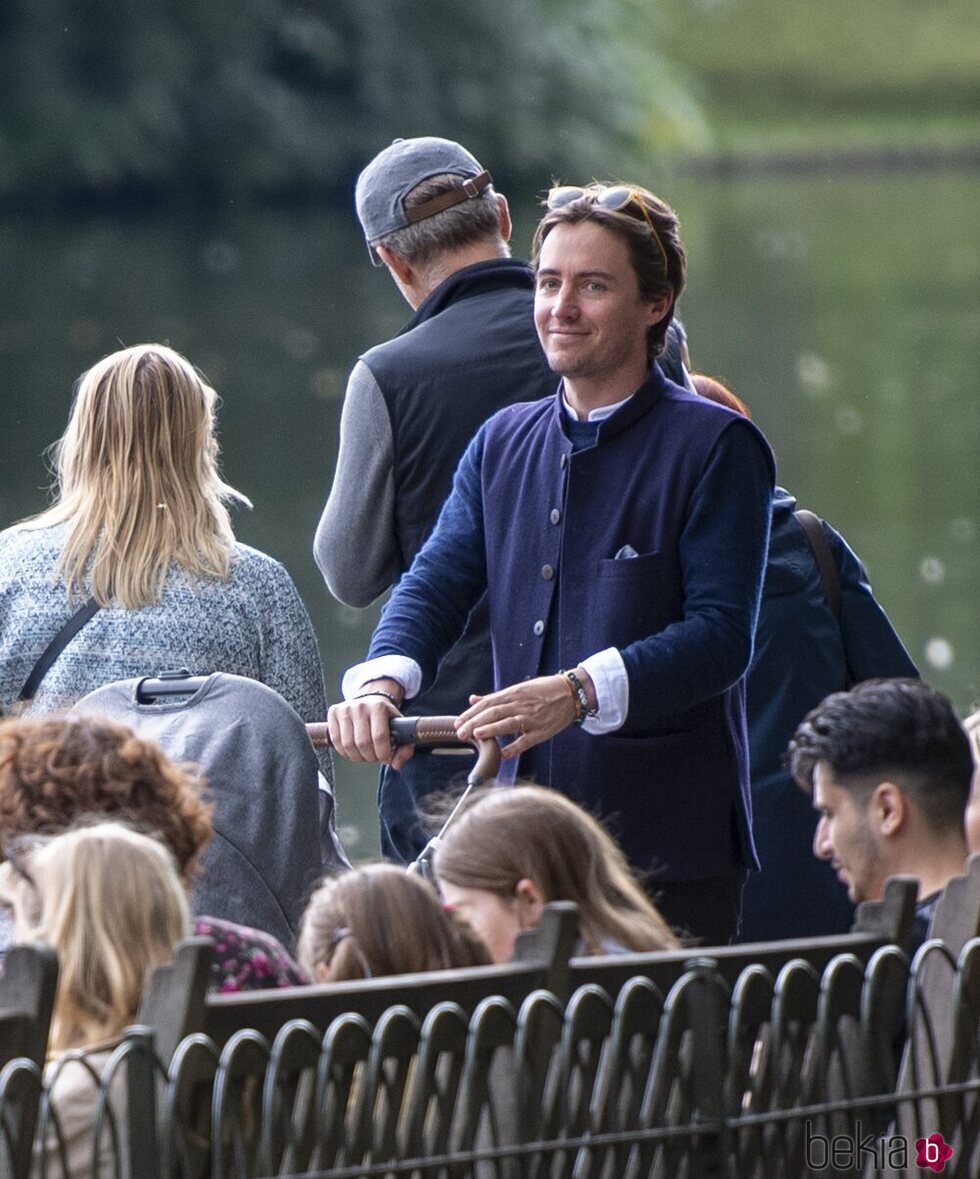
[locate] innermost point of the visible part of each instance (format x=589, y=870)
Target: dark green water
x=845, y=311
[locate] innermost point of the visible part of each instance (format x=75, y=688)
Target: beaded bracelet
x=579, y=714
x=581, y=699
x=379, y=692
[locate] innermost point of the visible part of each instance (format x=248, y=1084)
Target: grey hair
x=473, y=220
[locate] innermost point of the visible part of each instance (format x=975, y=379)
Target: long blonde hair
x=506, y=835
x=138, y=480
x=109, y=901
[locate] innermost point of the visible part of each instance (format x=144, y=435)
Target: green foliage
x=225, y=101
x=234, y=98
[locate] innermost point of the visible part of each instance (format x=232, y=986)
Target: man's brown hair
x=653, y=239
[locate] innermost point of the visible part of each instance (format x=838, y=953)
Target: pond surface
x=844, y=310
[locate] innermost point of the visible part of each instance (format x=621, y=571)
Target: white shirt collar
x=595, y=415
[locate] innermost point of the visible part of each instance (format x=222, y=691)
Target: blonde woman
x=140, y=525
x=110, y=902
x=511, y=851
x=378, y=920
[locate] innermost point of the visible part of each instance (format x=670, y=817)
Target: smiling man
x=889, y=767
x=620, y=530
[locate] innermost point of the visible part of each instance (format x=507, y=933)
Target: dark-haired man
x=888, y=765
x=620, y=530
x=431, y=217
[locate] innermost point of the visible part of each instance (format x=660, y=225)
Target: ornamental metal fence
x=858, y=1068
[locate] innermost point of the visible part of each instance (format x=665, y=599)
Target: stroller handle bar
x=405, y=730
x=429, y=730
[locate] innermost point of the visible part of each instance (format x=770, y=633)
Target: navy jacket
x=687, y=485
x=801, y=656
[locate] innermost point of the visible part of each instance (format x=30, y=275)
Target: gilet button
x=547, y=572
x=555, y=516
x=539, y=628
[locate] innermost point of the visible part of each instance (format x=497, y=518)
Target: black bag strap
x=55, y=647
x=812, y=527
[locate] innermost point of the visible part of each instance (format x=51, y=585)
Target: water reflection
x=845, y=312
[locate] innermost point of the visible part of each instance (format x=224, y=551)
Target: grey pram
x=274, y=834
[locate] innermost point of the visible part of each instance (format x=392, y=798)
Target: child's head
x=109, y=901
x=512, y=850
x=378, y=920
x=57, y=770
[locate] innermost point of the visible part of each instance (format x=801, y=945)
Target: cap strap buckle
x=470, y=188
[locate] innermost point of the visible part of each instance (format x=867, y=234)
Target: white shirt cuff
x=612, y=691
x=390, y=667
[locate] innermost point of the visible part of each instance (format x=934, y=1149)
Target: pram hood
x=263, y=781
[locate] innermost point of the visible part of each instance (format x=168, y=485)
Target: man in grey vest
x=430, y=215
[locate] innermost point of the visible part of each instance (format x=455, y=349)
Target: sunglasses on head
x=616, y=198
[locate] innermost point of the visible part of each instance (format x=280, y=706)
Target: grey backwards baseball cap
x=403, y=165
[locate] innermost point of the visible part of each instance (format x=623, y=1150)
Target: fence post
x=551, y=943
x=141, y=1104
x=708, y=1004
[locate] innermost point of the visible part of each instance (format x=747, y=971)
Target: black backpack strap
x=55, y=647
x=812, y=527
